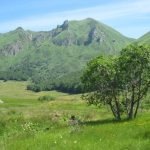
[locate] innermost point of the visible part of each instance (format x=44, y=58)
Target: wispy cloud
x=104, y=13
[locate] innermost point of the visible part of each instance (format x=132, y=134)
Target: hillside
x=89, y=32
x=145, y=39
x=50, y=58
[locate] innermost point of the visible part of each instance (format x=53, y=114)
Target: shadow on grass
x=104, y=121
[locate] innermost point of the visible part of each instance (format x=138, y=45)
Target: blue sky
x=130, y=17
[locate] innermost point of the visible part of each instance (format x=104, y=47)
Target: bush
x=34, y=88
x=46, y=98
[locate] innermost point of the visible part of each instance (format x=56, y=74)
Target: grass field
x=29, y=124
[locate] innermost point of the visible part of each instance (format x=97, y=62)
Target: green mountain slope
x=55, y=58
x=89, y=32
x=13, y=42
x=145, y=39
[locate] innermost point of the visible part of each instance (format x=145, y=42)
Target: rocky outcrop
x=14, y=41
x=11, y=49
x=95, y=35
x=40, y=37
x=60, y=28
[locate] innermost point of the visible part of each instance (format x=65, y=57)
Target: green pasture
x=29, y=124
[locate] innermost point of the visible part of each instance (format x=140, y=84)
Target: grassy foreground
x=29, y=124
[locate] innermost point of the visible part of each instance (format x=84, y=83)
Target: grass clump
x=46, y=98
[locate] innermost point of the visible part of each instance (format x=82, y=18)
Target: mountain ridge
x=69, y=33
x=55, y=59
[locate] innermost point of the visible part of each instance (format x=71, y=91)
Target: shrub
x=46, y=98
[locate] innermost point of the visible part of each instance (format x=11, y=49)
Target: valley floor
x=29, y=124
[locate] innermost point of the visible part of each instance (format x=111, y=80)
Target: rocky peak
x=65, y=25
x=60, y=28
x=19, y=29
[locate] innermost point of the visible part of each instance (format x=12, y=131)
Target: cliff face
x=11, y=49
x=13, y=42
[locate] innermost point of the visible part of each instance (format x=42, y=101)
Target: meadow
x=26, y=123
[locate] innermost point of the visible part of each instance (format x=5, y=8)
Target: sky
x=130, y=17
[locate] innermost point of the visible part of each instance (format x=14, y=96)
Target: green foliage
x=100, y=80
x=134, y=76
x=69, y=83
x=119, y=82
x=46, y=98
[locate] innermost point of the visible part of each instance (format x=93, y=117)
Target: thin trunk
x=118, y=116
x=112, y=109
x=138, y=100
x=130, y=114
x=137, y=106
x=126, y=100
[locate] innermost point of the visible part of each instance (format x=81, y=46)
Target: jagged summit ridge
x=87, y=32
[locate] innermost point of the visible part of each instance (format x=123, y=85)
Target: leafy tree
x=119, y=82
x=100, y=83
x=134, y=72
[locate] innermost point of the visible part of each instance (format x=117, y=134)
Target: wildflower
x=75, y=142
x=61, y=136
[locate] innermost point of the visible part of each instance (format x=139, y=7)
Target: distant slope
x=50, y=58
x=145, y=39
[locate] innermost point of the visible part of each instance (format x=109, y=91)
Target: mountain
x=13, y=42
x=88, y=32
x=145, y=39
x=80, y=33
x=54, y=59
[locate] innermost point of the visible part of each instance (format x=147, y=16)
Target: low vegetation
x=26, y=123
x=46, y=98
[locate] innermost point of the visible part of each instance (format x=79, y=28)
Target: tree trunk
x=118, y=116
x=112, y=109
x=115, y=111
x=137, y=106
x=130, y=114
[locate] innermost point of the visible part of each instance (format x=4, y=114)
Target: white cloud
x=104, y=13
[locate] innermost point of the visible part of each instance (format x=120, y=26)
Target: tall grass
x=28, y=124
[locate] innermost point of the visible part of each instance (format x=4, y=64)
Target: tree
x=100, y=83
x=119, y=82
x=134, y=73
